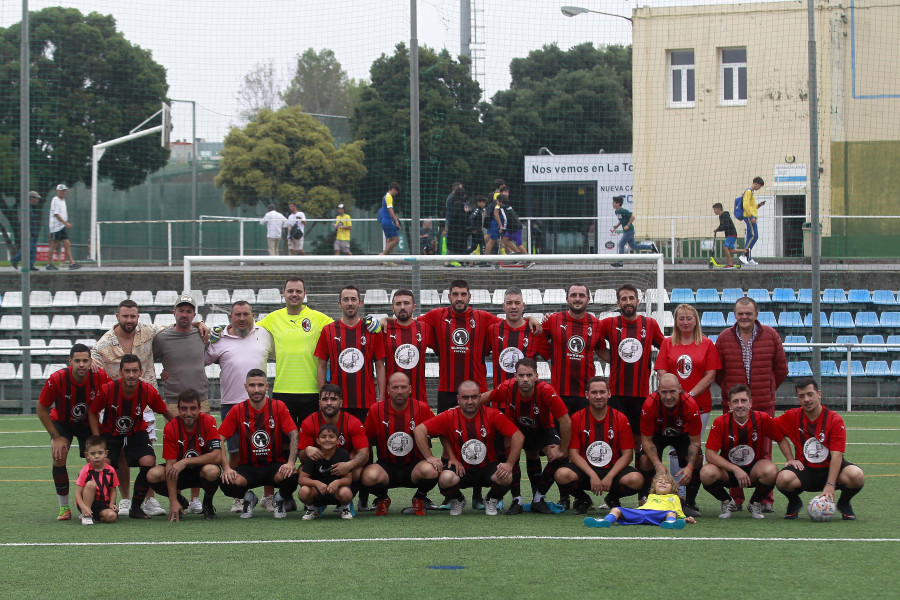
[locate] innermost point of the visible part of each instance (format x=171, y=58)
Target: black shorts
x=574, y=403
x=680, y=443
x=446, y=401
x=259, y=476
x=190, y=478
x=60, y=235
x=82, y=431
x=136, y=446
x=814, y=480
x=398, y=475
x=732, y=480
x=97, y=507
x=584, y=479
x=299, y=405
x=359, y=413
x=538, y=439
x=631, y=406
x=477, y=477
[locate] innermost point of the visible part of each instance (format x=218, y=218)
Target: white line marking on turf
x=448, y=539
x=35, y=431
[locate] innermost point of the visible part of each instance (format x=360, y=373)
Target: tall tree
x=259, y=91
x=288, y=156
x=88, y=84
x=320, y=85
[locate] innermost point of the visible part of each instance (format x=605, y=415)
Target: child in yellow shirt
x=663, y=508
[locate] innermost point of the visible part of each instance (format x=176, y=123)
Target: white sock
x=195, y=498
x=518, y=499
x=63, y=500
x=538, y=496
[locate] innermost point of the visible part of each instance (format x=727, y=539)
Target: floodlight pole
x=414, y=194
x=813, y=179
x=25, y=201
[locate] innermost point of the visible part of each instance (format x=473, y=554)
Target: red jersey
x=392, y=432
x=745, y=444
x=459, y=341
x=689, y=363
x=260, y=432
x=656, y=419
x=572, y=342
x=352, y=352
x=531, y=414
x=600, y=442
x=71, y=401
x=509, y=344
x=404, y=350
x=630, y=345
x=814, y=441
x=105, y=479
x=180, y=443
x=472, y=440
x=124, y=415
x=351, y=435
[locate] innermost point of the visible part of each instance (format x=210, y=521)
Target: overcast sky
x=207, y=46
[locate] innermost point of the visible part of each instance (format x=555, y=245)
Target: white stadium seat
x=62, y=323
x=40, y=323
x=65, y=299
x=245, y=295
x=142, y=297
x=164, y=320
x=41, y=299
x=109, y=321
x=165, y=298
x=89, y=323
x=269, y=296
x=372, y=297
x=11, y=323
x=90, y=299
x=113, y=297
x=218, y=297
x=12, y=299
x=555, y=297
x=59, y=347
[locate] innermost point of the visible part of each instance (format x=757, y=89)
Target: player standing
x=405, y=341
x=511, y=340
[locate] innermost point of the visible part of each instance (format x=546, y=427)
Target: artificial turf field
x=438, y=556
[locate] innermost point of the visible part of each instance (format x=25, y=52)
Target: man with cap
x=35, y=213
x=342, y=226
x=59, y=222
x=274, y=222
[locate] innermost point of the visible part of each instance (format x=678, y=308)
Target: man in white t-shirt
x=59, y=222
x=274, y=222
x=296, y=216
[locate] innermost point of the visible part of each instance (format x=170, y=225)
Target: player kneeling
x=319, y=487
x=193, y=453
x=95, y=488
x=734, y=446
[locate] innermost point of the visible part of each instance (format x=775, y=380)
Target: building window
x=733, y=76
x=681, y=75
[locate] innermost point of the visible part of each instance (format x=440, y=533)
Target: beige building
x=721, y=96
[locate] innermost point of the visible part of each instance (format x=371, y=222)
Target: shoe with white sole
x=312, y=512
x=756, y=510
x=346, y=513
x=195, y=507
x=490, y=506
x=237, y=505
x=87, y=520
x=249, y=503
x=153, y=508
x=743, y=259
x=268, y=503
x=727, y=507
x=278, y=505
x=124, y=505
x=752, y=262
x=457, y=507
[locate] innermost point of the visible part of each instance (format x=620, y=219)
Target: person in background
x=274, y=223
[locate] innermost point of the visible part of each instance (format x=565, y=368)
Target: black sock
x=233, y=491
x=793, y=497
x=61, y=480
x=690, y=493
x=548, y=477
x=141, y=487
x=380, y=492
x=497, y=491
x=425, y=486
x=476, y=493
x=760, y=493
x=160, y=488
x=452, y=493
x=288, y=485
x=516, y=487
x=363, y=496
x=847, y=495
x=718, y=491
x=533, y=470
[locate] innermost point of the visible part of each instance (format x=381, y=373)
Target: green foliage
x=288, y=156
x=320, y=85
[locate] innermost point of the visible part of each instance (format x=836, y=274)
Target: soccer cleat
x=237, y=505
x=592, y=522
x=490, y=507
x=250, y=502
x=612, y=501
x=457, y=507
x=582, y=506
x=676, y=524
x=311, y=513
x=737, y=507
x=360, y=507
x=793, y=509
x=124, y=505
x=743, y=259
x=87, y=520
x=209, y=511
x=691, y=510
x=381, y=508
x=756, y=510
x=346, y=513
x=541, y=507
x=278, y=507
x=137, y=512
x=267, y=502
x=727, y=508
x=65, y=513
x=767, y=507
x=195, y=507
x=515, y=508
x=418, y=506
x=846, y=511
x=153, y=508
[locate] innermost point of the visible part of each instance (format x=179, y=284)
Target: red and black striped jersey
x=742, y=443
x=814, y=441
x=260, y=432
x=124, y=414
x=509, y=344
x=180, y=443
x=351, y=435
x=391, y=431
x=601, y=441
x=351, y=352
x=684, y=417
x=472, y=440
x=105, y=479
x=630, y=347
x=404, y=350
x=572, y=342
x=529, y=414
x=459, y=341
x=70, y=400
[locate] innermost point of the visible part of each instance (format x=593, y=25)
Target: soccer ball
x=820, y=509
x=373, y=324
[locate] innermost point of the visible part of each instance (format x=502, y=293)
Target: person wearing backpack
x=749, y=213
x=296, y=226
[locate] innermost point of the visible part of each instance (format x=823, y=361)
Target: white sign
x=790, y=176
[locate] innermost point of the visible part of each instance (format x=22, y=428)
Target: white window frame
x=735, y=69
x=683, y=70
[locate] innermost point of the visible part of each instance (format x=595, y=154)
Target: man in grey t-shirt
x=180, y=350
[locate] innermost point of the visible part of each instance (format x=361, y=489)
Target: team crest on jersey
x=362, y=340
x=271, y=423
x=483, y=432
x=741, y=455
x=815, y=451
x=599, y=453
x=418, y=336
x=260, y=439
x=575, y=344
x=400, y=443
x=670, y=432
x=123, y=424
x=472, y=323
x=611, y=433
x=473, y=452
x=459, y=337
x=341, y=440
x=191, y=454
x=508, y=359
x=684, y=366
x=630, y=350
x=200, y=441
x=406, y=356
x=351, y=360
x=79, y=411
x=526, y=421
x=306, y=325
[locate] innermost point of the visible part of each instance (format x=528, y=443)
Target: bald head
x=398, y=389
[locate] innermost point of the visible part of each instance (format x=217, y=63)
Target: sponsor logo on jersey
x=123, y=424
x=260, y=439
x=599, y=453
x=741, y=455
x=630, y=350
x=508, y=359
x=191, y=454
x=815, y=451
x=459, y=337
x=400, y=443
x=351, y=360
x=79, y=411
x=406, y=356
x=473, y=452
x=575, y=344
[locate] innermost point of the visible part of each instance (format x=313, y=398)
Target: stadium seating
x=890, y=320
x=873, y=339
x=784, y=296
x=867, y=320
x=761, y=296
x=481, y=297
x=707, y=296
x=65, y=299
x=712, y=320
x=144, y=298
x=41, y=299
x=884, y=298
x=88, y=323
x=63, y=323
x=430, y=298
x=164, y=319
x=732, y=295
x=245, y=295
x=165, y=298
x=767, y=317
x=12, y=299
x=842, y=320
x=841, y=343
x=856, y=368
x=796, y=339
x=804, y=296
x=829, y=369
x=878, y=368
x=859, y=297
x=269, y=297
x=834, y=296
x=218, y=297
x=823, y=321
x=112, y=298
x=790, y=319
x=800, y=368
x=893, y=342
x=90, y=299
x=556, y=298
x=682, y=296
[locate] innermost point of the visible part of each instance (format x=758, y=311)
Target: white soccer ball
x=821, y=509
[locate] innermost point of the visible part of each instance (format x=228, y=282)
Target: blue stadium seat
x=884, y=298
x=682, y=296
x=829, y=369
x=895, y=368
x=760, y=295
x=708, y=296
x=890, y=320
x=730, y=320
x=840, y=344
x=873, y=339
x=856, y=366
x=804, y=296
x=842, y=320
x=731, y=295
x=859, y=297
x=893, y=342
x=867, y=320
x=713, y=320
x=713, y=337
x=796, y=339
x=784, y=296
x=834, y=296
x=767, y=317
x=878, y=368
x=800, y=368
x=790, y=318
x=823, y=321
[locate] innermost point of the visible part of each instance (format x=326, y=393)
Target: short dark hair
x=746, y=300
x=626, y=286
x=403, y=292
x=128, y=304
x=619, y=199
x=718, y=205
x=350, y=286
x=328, y=427
x=188, y=396
x=332, y=388
x=456, y=184
x=95, y=441
x=527, y=362
x=240, y=303
x=128, y=359
x=577, y=284
x=737, y=389
x=504, y=188
x=76, y=348
x=256, y=373
x=499, y=182
x=759, y=180
x=480, y=198
x=394, y=186
x=597, y=379
x=806, y=382
x=290, y=279
x=459, y=283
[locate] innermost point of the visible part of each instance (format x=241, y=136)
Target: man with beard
x=511, y=340
x=405, y=341
x=180, y=350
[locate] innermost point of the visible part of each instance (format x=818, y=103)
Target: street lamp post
x=574, y=11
